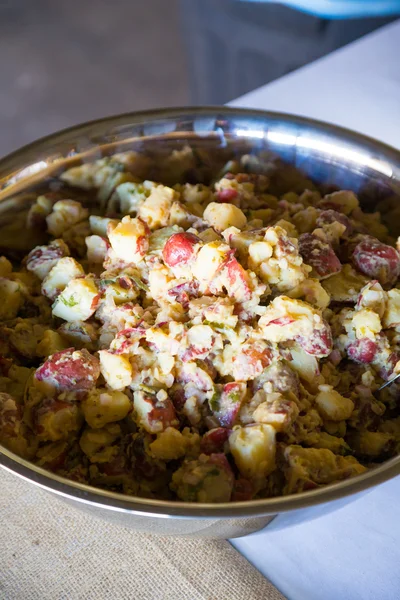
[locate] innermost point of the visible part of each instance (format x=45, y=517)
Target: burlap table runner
x=52, y=551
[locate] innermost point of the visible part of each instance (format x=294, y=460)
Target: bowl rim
x=135, y=505
x=135, y=117
x=167, y=508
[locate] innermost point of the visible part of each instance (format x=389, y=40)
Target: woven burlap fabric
x=50, y=550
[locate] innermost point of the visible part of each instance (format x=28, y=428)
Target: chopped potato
x=50, y=343
x=307, y=468
x=366, y=323
x=78, y=301
x=391, y=317
x=372, y=443
x=221, y=216
x=5, y=267
x=184, y=330
x=277, y=261
x=332, y=405
x=129, y=239
x=65, y=213
x=103, y=406
x=169, y=445
x=11, y=299
x=97, y=443
x=99, y=225
x=155, y=210
x=344, y=286
x=253, y=449
x=60, y=275
x=209, y=260
x=116, y=369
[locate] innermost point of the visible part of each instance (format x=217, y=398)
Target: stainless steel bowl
x=330, y=156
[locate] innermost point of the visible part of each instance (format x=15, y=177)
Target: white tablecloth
x=353, y=553
x=357, y=87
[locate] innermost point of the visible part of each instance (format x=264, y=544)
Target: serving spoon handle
x=388, y=382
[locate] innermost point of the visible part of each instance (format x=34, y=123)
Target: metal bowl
x=332, y=157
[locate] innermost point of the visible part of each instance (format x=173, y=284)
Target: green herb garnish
x=136, y=280
x=217, y=325
x=139, y=283
x=149, y=390
x=193, y=490
x=71, y=302
x=108, y=281
x=234, y=397
x=213, y=473
x=119, y=167
x=214, y=402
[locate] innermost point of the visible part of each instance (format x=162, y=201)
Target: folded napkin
x=50, y=550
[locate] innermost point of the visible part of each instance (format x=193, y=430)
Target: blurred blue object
x=342, y=9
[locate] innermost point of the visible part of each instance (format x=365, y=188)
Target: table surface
x=353, y=553
x=357, y=87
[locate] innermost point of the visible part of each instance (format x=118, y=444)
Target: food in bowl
x=200, y=342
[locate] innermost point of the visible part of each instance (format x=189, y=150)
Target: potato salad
x=200, y=342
